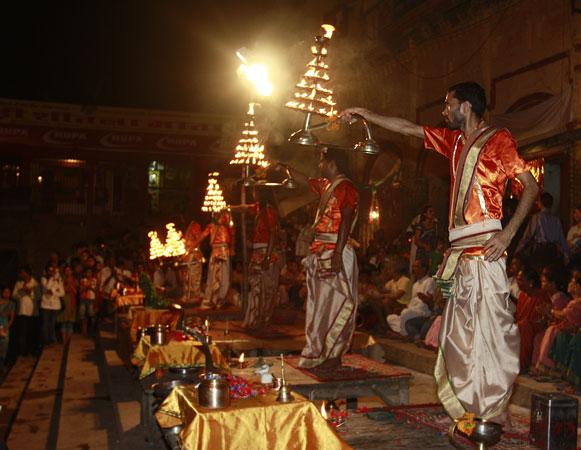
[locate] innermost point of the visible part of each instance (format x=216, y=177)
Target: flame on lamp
x=156, y=248
x=324, y=411
x=207, y=325
x=214, y=200
x=312, y=96
x=249, y=149
x=241, y=358
x=328, y=30
x=175, y=244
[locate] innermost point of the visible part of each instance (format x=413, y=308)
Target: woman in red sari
x=532, y=313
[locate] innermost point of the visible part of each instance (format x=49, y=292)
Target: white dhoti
x=218, y=282
x=194, y=279
x=331, y=308
x=262, y=295
x=478, y=357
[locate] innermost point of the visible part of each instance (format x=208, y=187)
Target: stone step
x=11, y=391
x=32, y=426
x=422, y=360
x=126, y=395
x=87, y=418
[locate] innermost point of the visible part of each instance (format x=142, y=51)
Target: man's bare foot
x=331, y=363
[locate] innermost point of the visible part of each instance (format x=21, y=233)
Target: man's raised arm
x=395, y=124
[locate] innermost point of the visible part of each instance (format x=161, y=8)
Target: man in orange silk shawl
x=194, y=260
x=221, y=235
x=331, y=265
x=264, y=257
x=478, y=357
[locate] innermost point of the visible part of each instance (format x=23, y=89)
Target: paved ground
x=84, y=396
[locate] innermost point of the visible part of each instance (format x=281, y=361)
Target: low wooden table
x=382, y=380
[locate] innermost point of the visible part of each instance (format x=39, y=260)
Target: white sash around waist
x=326, y=237
x=474, y=229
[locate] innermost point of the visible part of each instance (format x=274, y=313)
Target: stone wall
x=402, y=66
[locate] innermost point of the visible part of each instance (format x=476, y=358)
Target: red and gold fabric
x=173, y=354
x=344, y=195
x=265, y=225
x=498, y=162
x=220, y=240
x=258, y=423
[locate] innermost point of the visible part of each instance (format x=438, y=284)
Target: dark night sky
x=158, y=54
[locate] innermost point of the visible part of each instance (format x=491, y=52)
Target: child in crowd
x=68, y=316
x=88, y=289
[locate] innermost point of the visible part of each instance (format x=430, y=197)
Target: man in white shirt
x=52, y=291
x=422, y=293
x=26, y=293
x=394, y=295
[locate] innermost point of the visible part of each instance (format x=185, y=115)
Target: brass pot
x=159, y=336
x=213, y=390
x=485, y=433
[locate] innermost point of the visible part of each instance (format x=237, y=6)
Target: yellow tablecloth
x=129, y=300
x=174, y=354
x=259, y=423
x=145, y=317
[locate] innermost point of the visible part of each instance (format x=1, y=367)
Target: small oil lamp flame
x=241, y=361
x=324, y=411
x=207, y=326
x=328, y=30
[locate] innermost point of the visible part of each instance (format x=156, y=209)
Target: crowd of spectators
x=398, y=297
x=70, y=294
x=544, y=276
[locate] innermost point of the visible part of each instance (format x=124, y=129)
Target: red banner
x=59, y=125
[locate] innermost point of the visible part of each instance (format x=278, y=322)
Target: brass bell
x=369, y=146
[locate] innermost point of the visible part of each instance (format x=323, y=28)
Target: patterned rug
x=354, y=367
x=434, y=417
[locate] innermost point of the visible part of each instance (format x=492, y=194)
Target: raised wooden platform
x=276, y=339
x=389, y=384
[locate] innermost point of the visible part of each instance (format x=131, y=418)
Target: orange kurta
x=344, y=195
x=499, y=161
x=265, y=225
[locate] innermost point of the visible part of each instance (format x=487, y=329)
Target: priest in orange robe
x=221, y=234
x=264, y=269
x=331, y=265
x=194, y=259
x=478, y=355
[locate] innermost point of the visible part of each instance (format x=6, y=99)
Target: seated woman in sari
x=566, y=348
x=532, y=313
x=542, y=363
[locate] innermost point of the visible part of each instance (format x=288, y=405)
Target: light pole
x=250, y=151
